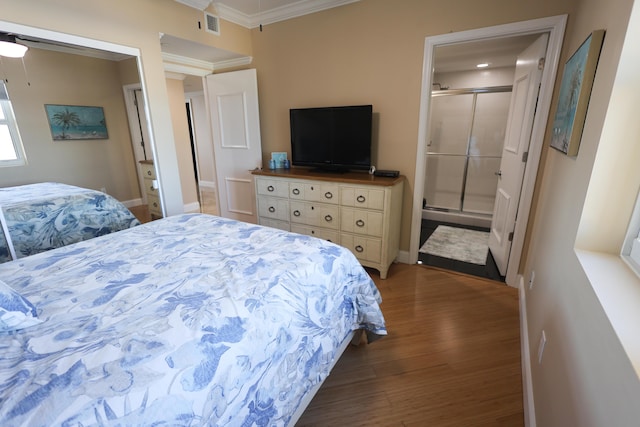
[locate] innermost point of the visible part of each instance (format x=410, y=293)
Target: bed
x=43, y=216
x=188, y=320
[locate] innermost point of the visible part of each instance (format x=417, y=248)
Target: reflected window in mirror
x=11, y=150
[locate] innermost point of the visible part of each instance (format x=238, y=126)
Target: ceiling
x=498, y=52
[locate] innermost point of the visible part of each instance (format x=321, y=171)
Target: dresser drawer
x=274, y=223
x=149, y=187
x=316, y=214
x=364, y=248
x=274, y=208
x=314, y=192
x=153, y=202
x=321, y=233
x=362, y=197
x=148, y=170
x=272, y=187
x=361, y=221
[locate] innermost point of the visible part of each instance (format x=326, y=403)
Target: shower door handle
x=498, y=174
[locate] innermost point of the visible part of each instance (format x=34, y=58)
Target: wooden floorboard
x=452, y=357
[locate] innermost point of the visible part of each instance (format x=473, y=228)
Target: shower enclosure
x=464, y=152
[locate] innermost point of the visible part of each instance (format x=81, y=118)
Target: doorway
x=554, y=26
x=464, y=151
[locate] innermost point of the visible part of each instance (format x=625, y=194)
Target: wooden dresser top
x=348, y=177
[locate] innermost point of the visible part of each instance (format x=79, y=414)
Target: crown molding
x=230, y=63
x=196, y=67
x=198, y=4
x=282, y=13
x=174, y=76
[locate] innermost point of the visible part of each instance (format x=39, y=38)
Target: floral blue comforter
x=43, y=216
x=189, y=320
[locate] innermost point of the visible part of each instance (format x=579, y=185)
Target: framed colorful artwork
x=575, y=90
x=76, y=122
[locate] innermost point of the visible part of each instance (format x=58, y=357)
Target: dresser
x=151, y=189
x=356, y=210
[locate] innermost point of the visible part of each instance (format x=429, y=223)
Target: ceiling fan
x=10, y=48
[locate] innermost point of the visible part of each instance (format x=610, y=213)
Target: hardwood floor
x=452, y=357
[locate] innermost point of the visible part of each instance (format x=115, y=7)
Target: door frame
x=555, y=26
x=135, y=124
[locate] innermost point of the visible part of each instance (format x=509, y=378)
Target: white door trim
x=135, y=131
x=555, y=26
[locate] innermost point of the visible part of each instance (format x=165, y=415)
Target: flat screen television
x=332, y=139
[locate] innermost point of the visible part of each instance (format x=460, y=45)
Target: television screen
x=332, y=138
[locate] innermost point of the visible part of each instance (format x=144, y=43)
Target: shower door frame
x=467, y=155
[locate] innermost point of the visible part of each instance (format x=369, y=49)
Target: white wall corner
x=525, y=359
x=192, y=207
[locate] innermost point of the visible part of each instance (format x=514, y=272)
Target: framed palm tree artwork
x=575, y=91
x=76, y=122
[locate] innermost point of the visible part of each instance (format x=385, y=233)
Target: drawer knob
x=151, y=188
x=296, y=213
x=359, y=249
x=270, y=188
x=295, y=191
x=361, y=198
x=328, y=218
x=149, y=173
x=272, y=209
x=155, y=205
x=328, y=195
x=360, y=223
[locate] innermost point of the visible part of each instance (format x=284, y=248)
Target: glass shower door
x=465, y=149
x=447, y=150
x=485, y=151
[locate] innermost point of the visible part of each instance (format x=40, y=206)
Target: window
x=631, y=246
x=11, y=151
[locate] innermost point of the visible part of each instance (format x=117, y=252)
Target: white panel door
x=235, y=122
x=524, y=98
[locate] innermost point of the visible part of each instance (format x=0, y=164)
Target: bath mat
x=458, y=243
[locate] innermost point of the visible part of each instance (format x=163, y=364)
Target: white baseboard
x=192, y=207
x=208, y=184
x=403, y=257
x=133, y=202
x=525, y=359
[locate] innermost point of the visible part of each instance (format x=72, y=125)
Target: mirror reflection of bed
x=60, y=73
x=69, y=76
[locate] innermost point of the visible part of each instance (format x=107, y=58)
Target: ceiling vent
x=212, y=23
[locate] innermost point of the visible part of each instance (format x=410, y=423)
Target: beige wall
x=60, y=78
x=585, y=378
x=368, y=52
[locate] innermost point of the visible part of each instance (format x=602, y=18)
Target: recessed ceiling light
x=483, y=65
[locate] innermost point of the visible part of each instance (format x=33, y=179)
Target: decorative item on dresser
x=356, y=210
x=151, y=188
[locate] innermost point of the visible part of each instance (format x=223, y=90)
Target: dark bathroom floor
x=489, y=270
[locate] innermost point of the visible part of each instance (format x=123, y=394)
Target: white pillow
x=16, y=312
